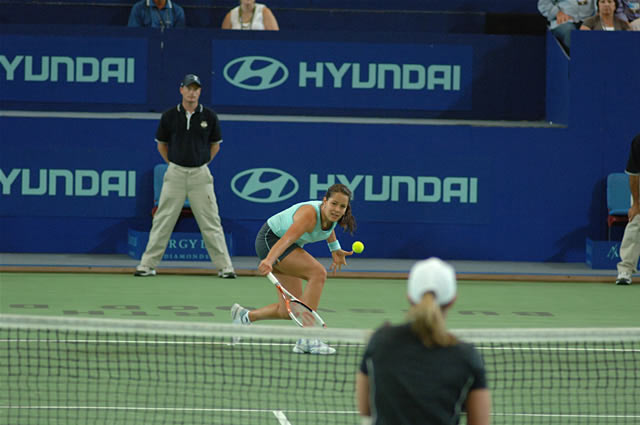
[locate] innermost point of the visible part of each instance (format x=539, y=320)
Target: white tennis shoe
x=312, y=346
x=237, y=312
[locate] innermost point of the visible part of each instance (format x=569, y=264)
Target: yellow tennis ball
x=357, y=247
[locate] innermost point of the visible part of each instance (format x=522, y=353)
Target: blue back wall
x=463, y=191
x=489, y=68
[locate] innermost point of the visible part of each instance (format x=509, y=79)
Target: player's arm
x=304, y=220
x=362, y=394
x=338, y=255
x=479, y=407
x=163, y=149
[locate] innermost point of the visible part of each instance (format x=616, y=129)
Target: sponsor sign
x=602, y=254
x=67, y=192
x=73, y=69
x=59, y=167
x=420, y=197
x=342, y=75
x=264, y=185
x=181, y=246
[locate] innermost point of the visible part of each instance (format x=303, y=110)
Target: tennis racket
x=299, y=312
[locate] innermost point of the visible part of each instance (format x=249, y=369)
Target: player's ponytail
x=348, y=221
x=427, y=321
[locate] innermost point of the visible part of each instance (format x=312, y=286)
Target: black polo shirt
x=189, y=140
x=415, y=384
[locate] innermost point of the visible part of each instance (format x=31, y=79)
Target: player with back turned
x=418, y=372
x=279, y=244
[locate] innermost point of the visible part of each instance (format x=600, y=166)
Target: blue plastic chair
x=618, y=200
x=158, y=177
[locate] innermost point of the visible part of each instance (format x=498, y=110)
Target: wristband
x=334, y=246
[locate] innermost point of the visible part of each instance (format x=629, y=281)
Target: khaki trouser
x=180, y=183
x=630, y=247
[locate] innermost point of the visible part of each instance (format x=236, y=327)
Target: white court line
x=281, y=417
x=578, y=349
x=178, y=409
x=568, y=415
x=160, y=342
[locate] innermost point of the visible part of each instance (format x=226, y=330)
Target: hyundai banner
x=342, y=75
x=73, y=69
x=394, y=172
x=76, y=167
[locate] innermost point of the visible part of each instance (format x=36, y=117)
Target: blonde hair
x=427, y=321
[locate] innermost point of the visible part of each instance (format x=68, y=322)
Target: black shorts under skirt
x=266, y=239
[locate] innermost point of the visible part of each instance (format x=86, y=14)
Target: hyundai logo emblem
x=264, y=185
x=255, y=72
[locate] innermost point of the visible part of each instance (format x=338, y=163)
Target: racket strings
x=303, y=315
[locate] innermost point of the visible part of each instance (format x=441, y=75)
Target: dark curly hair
x=347, y=221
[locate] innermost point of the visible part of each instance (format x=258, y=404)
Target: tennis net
x=92, y=371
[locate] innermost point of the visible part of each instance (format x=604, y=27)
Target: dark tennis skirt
x=266, y=239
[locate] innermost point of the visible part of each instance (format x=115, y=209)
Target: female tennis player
x=418, y=372
x=279, y=244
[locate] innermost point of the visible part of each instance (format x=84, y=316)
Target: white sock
x=245, y=318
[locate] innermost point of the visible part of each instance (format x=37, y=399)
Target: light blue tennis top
x=281, y=222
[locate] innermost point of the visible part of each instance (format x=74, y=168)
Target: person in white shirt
x=250, y=15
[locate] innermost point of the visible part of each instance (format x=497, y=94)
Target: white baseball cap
x=432, y=275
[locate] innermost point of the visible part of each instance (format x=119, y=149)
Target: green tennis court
x=346, y=303
x=181, y=376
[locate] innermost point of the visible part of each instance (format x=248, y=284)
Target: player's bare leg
x=299, y=265
x=302, y=265
x=278, y=310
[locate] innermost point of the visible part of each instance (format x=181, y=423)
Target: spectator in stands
x=605, y=20
x=630, y=246
x=250, y=15
x=629, y=11
x=565, y=16
x=418, y=372
x=157, y=14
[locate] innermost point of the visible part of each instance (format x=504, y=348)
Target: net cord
x=293, y=332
